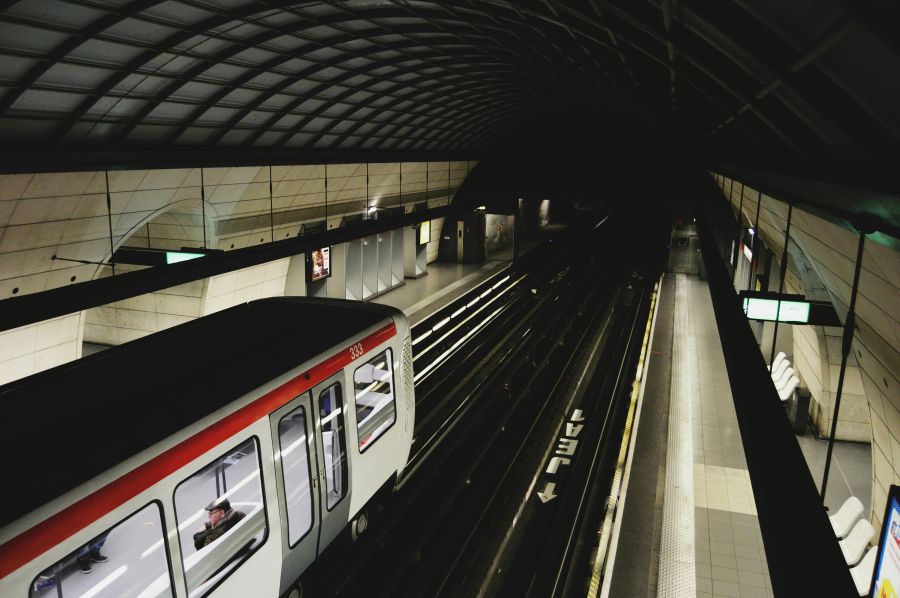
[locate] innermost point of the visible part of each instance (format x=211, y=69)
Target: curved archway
x=187, y=223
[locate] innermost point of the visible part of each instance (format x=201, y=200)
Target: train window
x=331, y=410
x=221, y=517
x=375, y=408
x=129, y=559
x=295, y=470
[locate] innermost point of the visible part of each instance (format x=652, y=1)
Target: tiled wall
x=42, y=215
x=806, y=360
x=853, y=423
x=880, y=385
x=870, y=404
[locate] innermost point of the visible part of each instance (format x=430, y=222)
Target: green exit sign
x=794, y=312
x=173, y=257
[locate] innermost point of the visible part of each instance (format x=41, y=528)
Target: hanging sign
x=790, y=309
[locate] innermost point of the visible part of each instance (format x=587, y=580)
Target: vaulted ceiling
x=808, y=87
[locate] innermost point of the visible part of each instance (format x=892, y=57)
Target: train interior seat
x=214, y=561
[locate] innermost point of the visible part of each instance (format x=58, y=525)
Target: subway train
x=216, y=458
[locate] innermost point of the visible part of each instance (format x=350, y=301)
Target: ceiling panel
x=157, y=74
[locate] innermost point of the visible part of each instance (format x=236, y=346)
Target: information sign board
x=794, y=312
x=886, y=579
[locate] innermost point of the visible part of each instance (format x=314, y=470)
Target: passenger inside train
x=221, y=519
x=228, y=493
x=138, y=540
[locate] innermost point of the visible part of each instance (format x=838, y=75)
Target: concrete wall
x=87, y=215
x=30, y=349
x=132, y=318
x=256, y=282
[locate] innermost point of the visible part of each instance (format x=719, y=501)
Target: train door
x=293, y=429
x=329, y=398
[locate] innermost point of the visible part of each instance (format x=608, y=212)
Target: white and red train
x=219, y=457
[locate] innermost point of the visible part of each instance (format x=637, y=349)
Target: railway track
x=479, y=435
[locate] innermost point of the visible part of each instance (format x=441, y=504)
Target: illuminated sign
x=424, y=232
x=795, y=309
x=795, y=312
x=173, y=257
x=148, y=256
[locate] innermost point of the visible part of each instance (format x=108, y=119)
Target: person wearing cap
x=221, y=519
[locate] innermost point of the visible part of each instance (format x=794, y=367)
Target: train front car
x=218, y=457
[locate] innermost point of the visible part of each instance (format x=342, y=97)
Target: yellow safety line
x=612, y=501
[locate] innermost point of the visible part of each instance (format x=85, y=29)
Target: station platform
x=688, y=524
x=420, y=297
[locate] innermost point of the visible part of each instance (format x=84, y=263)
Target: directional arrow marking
x=547, y=494
x=555, y=462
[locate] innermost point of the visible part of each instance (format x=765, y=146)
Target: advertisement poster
x=320, y=264
x=887, y=566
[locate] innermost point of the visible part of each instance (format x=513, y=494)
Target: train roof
x=68, y=424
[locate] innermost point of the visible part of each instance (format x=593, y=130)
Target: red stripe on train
x=45, y=535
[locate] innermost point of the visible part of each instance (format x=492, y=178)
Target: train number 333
x=356, y=351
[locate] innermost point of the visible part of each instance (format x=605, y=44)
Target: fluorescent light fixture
x=446, y=354
x=332, y=415
x=422, y=337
